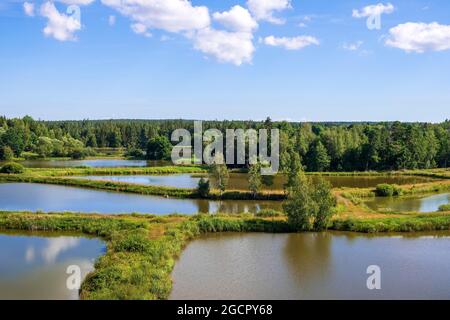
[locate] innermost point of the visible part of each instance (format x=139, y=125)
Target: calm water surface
x=34, y=197
x=33, y=265
x=313, y=266
x=239, y=181
x=416, y=204
x=175, y=180
x=97, y=163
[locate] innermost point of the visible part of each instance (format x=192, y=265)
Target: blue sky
x=305, y=60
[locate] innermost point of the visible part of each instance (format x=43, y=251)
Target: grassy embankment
x=141, y=250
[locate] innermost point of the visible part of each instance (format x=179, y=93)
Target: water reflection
x=33, y=265
x=35, y=197
x=313, y=266
x=97, y=163
x=412, y=204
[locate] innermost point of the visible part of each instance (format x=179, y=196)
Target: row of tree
x=320, y=146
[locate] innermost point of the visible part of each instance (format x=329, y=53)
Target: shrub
x=12, y=168
x=445, y=207
x=203, y=188
x=6, y=153
x=388, y=190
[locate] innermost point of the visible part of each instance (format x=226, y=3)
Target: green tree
x=255, y=179
x=309, y=207
x=159, y=148
x=293, y=169
x=319, y=160
x=220, y=174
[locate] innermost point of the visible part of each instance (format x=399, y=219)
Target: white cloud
x=59, y=26
x=28, y=8
x=237, y=19
x=168, y=15
x=419, y=37
x=230, y=47
x=140, y=28
x=373, y=10
x=265, y=9
x=352, y=46
x=76, y=2
x=112, y=20
x=294, y=43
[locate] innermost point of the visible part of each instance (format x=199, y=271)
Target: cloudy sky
x=310, y=60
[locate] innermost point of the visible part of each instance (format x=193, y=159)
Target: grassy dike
x=142, y=249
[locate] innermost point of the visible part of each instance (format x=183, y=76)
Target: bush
x=203, y=188
x=6, y=153
x=135, y=153
x=78, y=154
x=388, y=190
x=12, y=168
x=445, y=207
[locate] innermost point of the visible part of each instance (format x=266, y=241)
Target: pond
x=414, y=204
x=96, y=163
x=33, y=265
x=239, y=181
x=35, y=197
x=313, y=266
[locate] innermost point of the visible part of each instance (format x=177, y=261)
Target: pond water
x=415, y=204
x=239, y=181
x=175, y=180
x=313, y=266
x=34, y=197
x=97, y=163
x=33, y=265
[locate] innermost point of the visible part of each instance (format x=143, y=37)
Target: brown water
x=428, y=203
x=313, y=266
x=35, y=197
x=239, y=181
x=33, y=265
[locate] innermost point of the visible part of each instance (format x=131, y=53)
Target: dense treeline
x=320, y=146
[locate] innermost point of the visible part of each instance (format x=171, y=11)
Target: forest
x=320, y=146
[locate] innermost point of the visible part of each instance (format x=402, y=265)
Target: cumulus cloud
x=352, y=46
x=168, y=15
x=231, y=47
x=140, y=28
x=59, y=26
x=237, y=19
x=265, y=9
x=419, y=37
x=373, y=10
x=294, y=43
x=28, y=8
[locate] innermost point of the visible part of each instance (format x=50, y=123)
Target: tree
x=220, y=174
x=14, y=138
x=319, y=160
x=255, y=179
x=159, y=148
x=293, y=169
x=309, y=207
x=6, y=153
x=203, y=188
